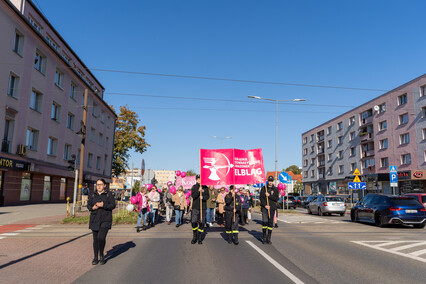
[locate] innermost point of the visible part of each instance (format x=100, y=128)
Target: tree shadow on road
x=119, y=249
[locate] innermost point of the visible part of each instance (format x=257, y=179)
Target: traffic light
x=71, y=163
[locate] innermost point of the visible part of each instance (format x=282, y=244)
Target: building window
x=305, y=151
x=340, y=154
x=36, y=25
x=367, y=114
x=90, y=160
x=312, y=149
x=339, y=126
x=106, y=143
x=95, y=109
x=341, y=169
x=353, y=151
x=77, y=160
x=73, y=92
x=402, y=99
x=70, y=121
x=56, y=112
x=312, y=161
x=92, y=134
x=352, y=136
x=102, y=117
x=98, y=163
x=340, y=140
x=404, y=138
x=422, y=90
x=105, y=164
x=36, y=99
x=100, y=139
x=312, y=138
x=40, y=62
x=109, y=122
x=330, y=156
x=384, y=162
x=352, y=120
x=59, y=79
x=18, y=43
x=329, y=143
x=305, y=163
x=424, y=112
x=329, y=130
x=406, y=159
x=383, y=125
x=330, y=170
x=353, y=167
x=52, y=43
x=52, y=144
x=424, y=134
x=382, y=108
x=32, y=139
x=383, y=144
x=369, y=163
x=403, y=119
x=12, y=89
x=312, y=173
x=305, y=174
x=305, y=140
x=67, y=152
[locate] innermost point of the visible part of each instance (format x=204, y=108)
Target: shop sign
x=13, y=164
x=404, y=175
x=418, y=174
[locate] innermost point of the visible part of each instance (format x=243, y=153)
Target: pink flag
x=231, y=166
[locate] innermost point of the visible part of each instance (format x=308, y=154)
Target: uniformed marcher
x=198, y=223
x=268, y=204
x=231, y=222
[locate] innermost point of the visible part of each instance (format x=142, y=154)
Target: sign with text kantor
x=14, y=164
x=231, y=166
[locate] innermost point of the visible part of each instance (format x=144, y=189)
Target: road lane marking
x=9, y=234
x=413, y=255
x=389, y=243
x=276, y=264
x=420, y=243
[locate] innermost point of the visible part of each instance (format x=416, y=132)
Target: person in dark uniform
x=100, y=204
x=231, y=224
x=268, y=204
x=199, y=194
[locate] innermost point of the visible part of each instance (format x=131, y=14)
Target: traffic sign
x=393, y=177
x=393, y=169
x=258, y=185
x=357, y=185
x=284, y=177
x=356, y=172
x=356, y=179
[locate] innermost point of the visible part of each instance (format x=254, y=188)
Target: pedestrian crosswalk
x=411, y=249
x=305, y=219
x=17, y=229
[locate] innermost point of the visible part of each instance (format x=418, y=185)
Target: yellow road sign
x=356, y=179
x=356, y=172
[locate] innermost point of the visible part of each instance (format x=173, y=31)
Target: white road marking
x=420, y=243
x=276, y=264
x=34, y=228
x=373, y=245
x=2, y=238
x=9, y=234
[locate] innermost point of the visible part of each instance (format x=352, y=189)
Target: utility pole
x=83, y=141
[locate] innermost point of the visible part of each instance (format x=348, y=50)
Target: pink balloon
x=183, y=174
x=236, y=190
x=178, y=173
x=251, y=193
x=172, y=189
x=169, y=183
x=284, y=186
x=133, y=200
x=280, y=186
x=242, y=199
x=190, y=192
x=226, y=189
x=149, y=186
x=159, y=190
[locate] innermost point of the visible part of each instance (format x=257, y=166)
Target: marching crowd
x=203, y=205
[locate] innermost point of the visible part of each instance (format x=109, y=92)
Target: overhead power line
x=235, y=80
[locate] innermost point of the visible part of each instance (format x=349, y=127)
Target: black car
x=287, y=199
x=300, y=201
x=381, y=209
x=309, y=200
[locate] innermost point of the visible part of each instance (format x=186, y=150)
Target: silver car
x=326, y=205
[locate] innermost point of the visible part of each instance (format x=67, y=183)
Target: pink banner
x=231, y=166
x=186, y=182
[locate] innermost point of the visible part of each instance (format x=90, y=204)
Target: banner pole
x=201, y=202
x=267, y=199
x=234, y=203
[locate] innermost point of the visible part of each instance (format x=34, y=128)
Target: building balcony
x=369, y=170
x=367, y=154
x=321, y=163
x=320, y=151
x=321, y=176
x=5, y=146
x=366, y=121
x=320, y=138
x=366, y=136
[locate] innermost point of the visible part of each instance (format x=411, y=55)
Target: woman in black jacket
x=100, y=204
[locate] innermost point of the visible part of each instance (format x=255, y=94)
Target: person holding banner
x=268, y=204
x=200, y=195
x=232, y=215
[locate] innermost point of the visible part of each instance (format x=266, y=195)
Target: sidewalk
x=33, y=214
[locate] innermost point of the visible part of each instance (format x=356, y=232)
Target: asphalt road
x=305, y=249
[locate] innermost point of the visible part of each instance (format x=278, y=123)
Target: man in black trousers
x=199, y=194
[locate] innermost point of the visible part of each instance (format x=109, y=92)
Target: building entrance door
x=1, y=188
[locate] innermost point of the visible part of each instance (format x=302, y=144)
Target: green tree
x=294, y=169
x=298, y=187
x=190, y=173
x=136, y=187
x=128, y=135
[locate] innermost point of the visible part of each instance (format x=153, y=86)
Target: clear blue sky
x=360, y=44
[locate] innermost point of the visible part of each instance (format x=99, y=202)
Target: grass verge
x=119, y=217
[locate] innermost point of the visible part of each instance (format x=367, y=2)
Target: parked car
x=309, y=200
x=300, y=200
x=381, y=209
x=287, y=199
x=327, y=205
x=421, y=197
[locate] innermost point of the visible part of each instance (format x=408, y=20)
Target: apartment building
x=389, y=130
x=41, y=107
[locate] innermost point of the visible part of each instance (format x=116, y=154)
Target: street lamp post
x=276, y=124
x=221, y=139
